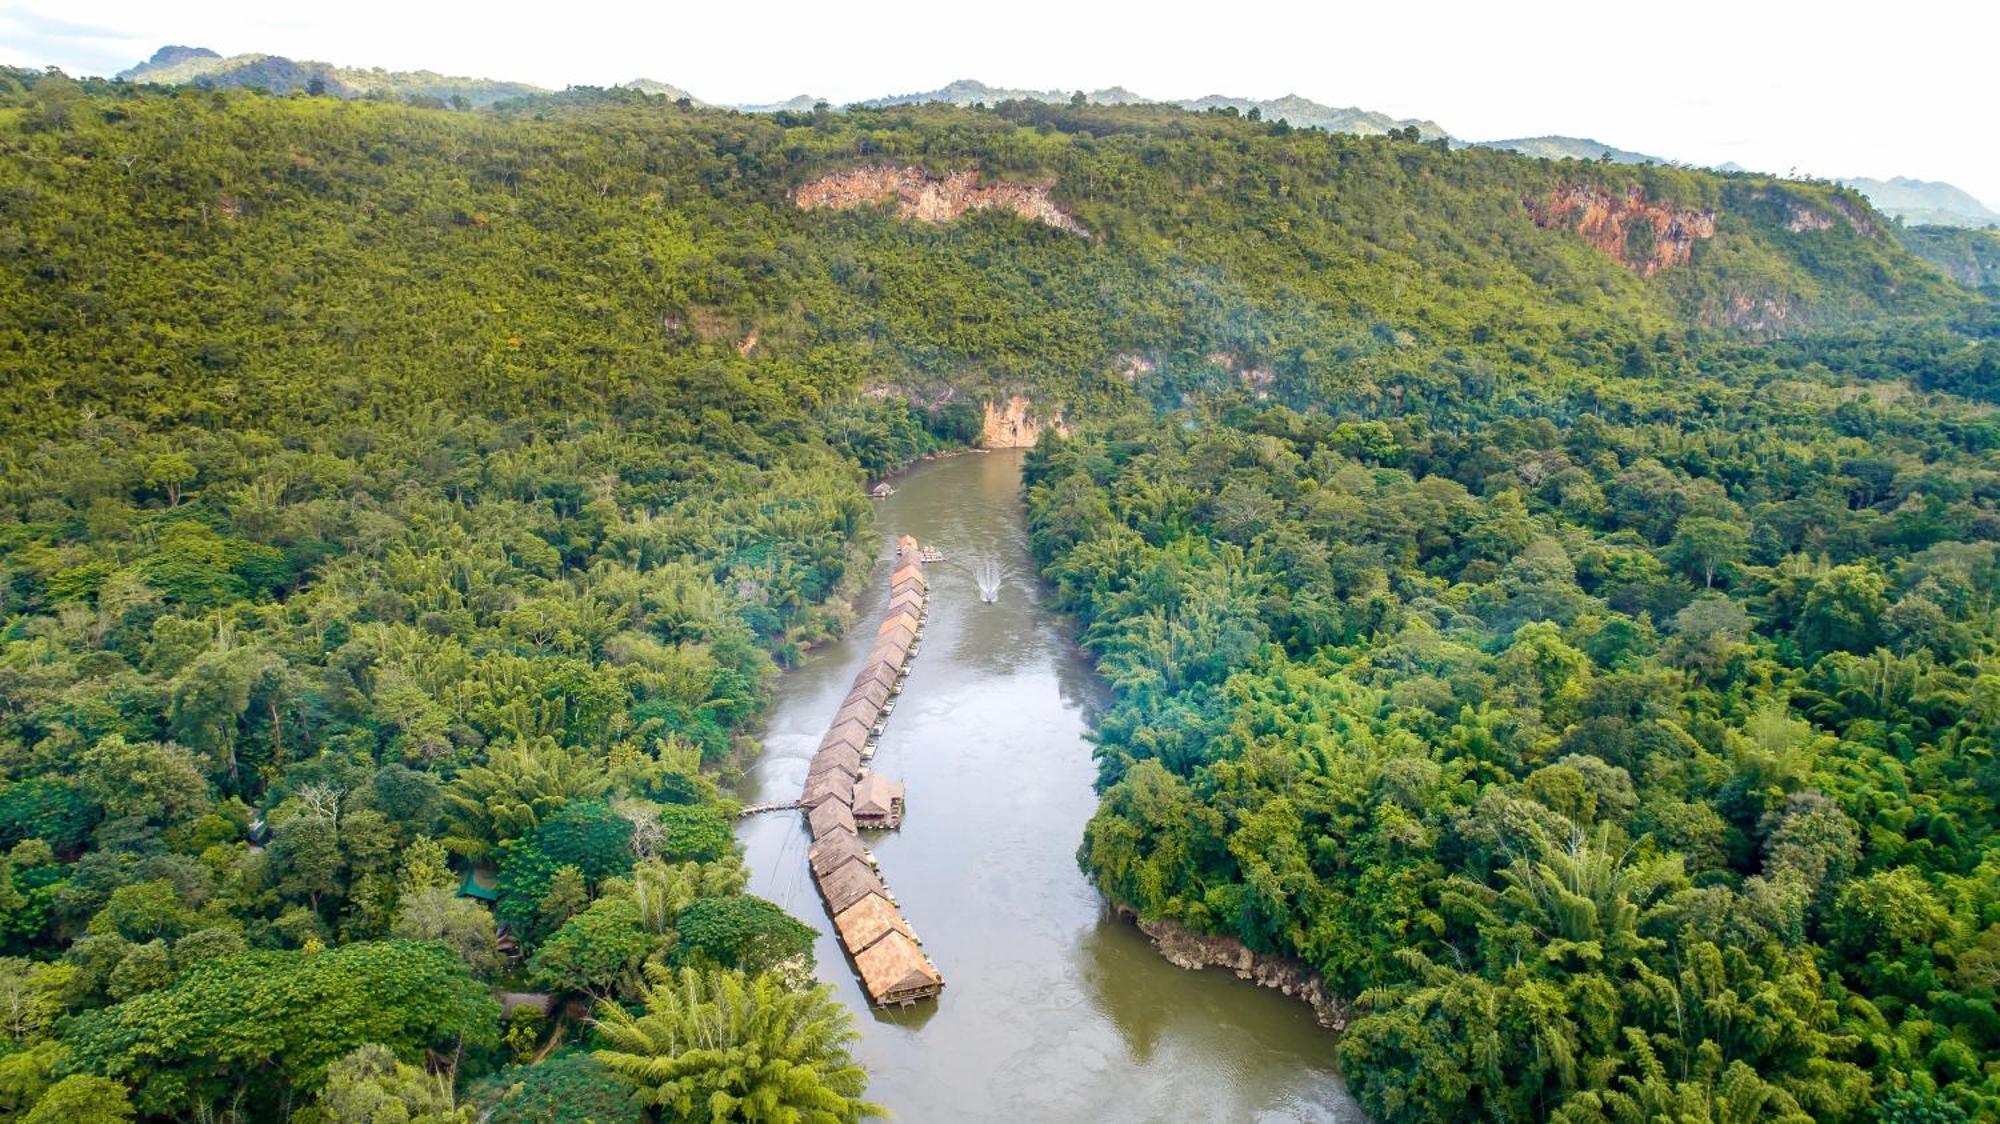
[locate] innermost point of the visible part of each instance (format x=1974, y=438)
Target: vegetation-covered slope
x=477, y=259
x=416, y=483
x=1970, y=257
x=1616, y=754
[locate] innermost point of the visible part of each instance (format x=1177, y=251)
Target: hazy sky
x=1903, y=89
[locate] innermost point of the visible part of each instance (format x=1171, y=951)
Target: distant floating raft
x=842, y=797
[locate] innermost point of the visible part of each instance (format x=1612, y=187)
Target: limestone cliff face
x=1644, y=235
x=1801, y=216
x=1195, y=951
x=1013, y=424
x=922, y=197
x=1760, y=314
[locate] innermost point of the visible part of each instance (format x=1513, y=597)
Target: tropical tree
x=745, y=932
x=371, y=1085
x=253, y=1028
x=439, y=914
x=597, y=952
x=489, y=804
x=1704, y=547
x=718, y=1045
x=82, y=1098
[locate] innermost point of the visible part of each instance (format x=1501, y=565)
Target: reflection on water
x=1051, y=1010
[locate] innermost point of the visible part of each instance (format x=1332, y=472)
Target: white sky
x=1908, y=89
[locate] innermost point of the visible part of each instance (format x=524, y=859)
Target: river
x=1052, y=1009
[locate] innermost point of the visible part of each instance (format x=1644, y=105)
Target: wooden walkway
x=760, y=809
x=866, y=917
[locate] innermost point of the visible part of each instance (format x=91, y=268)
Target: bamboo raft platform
x=843, y=797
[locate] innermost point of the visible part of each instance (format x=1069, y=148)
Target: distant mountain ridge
x=661, y=89
x=1925, y=202
x=968, y=91
x=1570, y=148
x=1293, y=109
x=199, y=66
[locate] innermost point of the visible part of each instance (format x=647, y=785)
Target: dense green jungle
x=1577, y=648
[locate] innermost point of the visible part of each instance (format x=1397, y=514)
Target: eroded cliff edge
x=1644, y=235
x=1015, y=424
x=1193, y=951
x=921, y=197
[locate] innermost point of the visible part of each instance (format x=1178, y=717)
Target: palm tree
x=723, y=1046
x=517, y=786
x=1581, y=898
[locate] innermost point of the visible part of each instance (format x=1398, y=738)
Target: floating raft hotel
x=844, y=797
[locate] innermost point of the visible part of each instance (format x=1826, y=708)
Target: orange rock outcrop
x=1607, y=221
x=922, y=197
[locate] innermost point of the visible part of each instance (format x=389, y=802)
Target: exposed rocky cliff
x=1013, y=424
x=1185, y=949
x=923, y=197
x=1760, y=314
x=1646, y=236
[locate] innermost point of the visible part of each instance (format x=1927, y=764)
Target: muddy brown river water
x=1053, y=1010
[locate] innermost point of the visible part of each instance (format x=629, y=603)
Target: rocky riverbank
x=1185, y=949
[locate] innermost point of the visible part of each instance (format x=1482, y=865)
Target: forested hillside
x=1970, y=257
x=390, y=495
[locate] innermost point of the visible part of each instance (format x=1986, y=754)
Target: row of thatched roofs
x=843, y=797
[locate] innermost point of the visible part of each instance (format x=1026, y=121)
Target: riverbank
x=1055, y=1012
x=1184, y=948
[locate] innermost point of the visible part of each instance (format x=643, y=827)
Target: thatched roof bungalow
x=841, y=755
x=818, y=783
x=829, y=817
x=871, y=691
x=877, y=802
x=853, y=729
x=867, y=921
x=836, y=851
x=843, y=739
x=830, y=785
x=858, y=711
x=903, y=620
x=877, y=673
x=849, y=883
x=894, y=970
x=891, y=656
